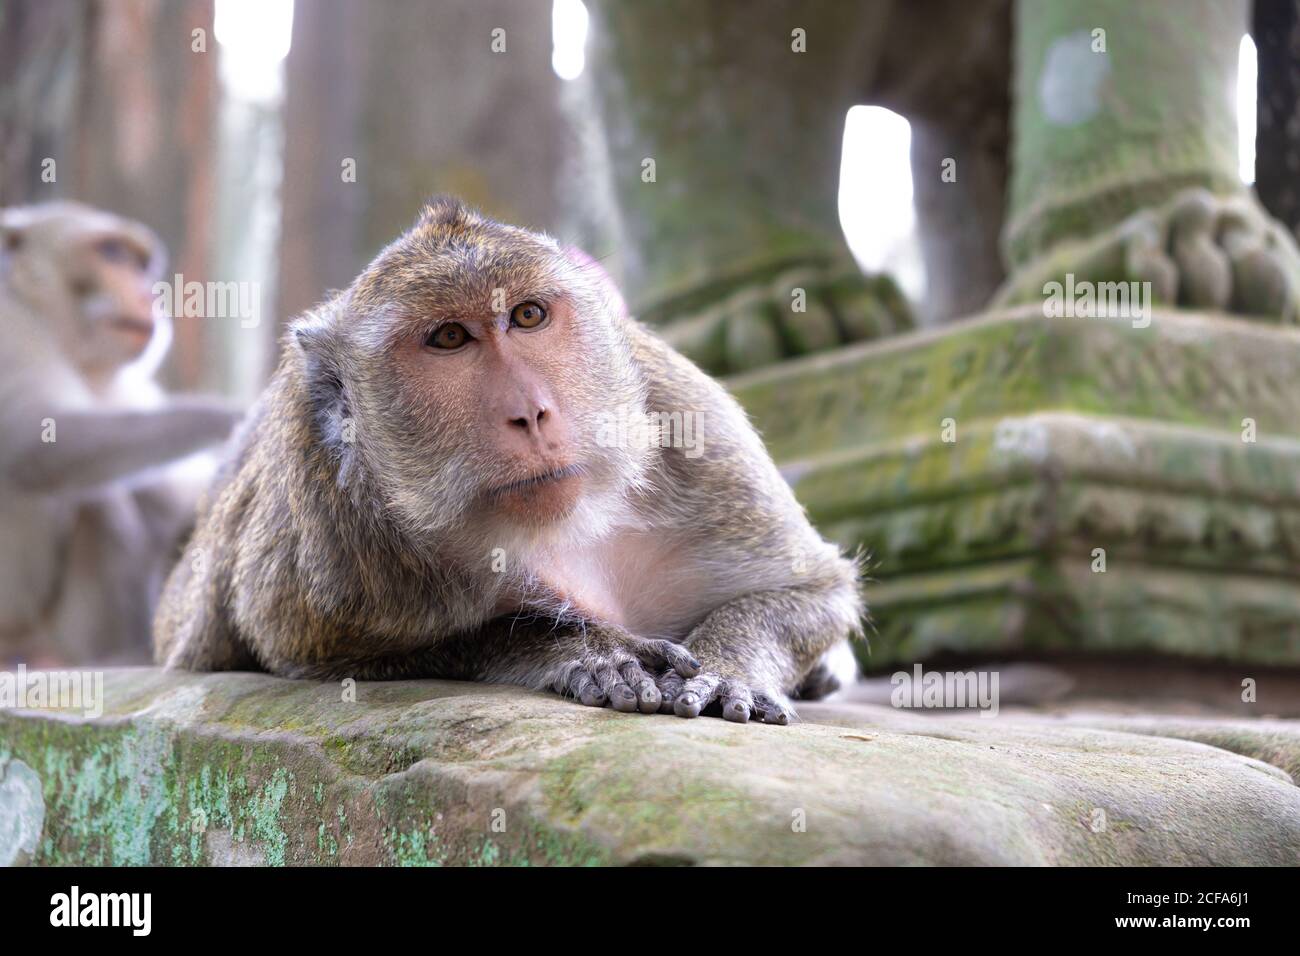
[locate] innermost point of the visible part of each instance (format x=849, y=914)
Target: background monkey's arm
x=93, y=448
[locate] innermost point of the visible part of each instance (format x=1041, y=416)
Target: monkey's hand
x=757, y=648
x=733, y=697
x=609, y=666
x=597, y=664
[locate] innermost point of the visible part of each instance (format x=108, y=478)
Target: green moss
x=414, y=847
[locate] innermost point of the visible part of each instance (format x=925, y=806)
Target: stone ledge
x=246, y=768
x=1187, y=368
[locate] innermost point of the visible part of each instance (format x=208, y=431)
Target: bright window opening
x=569, y=38
x=254, y=37
x=875, y=202
x=1247, y=91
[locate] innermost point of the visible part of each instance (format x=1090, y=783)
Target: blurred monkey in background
x=94, y=497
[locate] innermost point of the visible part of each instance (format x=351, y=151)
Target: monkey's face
x=486, y=360
x=89, y=275
x=112, y=276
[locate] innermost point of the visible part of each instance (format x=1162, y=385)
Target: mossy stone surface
x=243, y=768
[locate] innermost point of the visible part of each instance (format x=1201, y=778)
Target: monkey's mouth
x=524, y=486
x=140, y=328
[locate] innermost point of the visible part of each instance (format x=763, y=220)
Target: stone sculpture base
x=990, y=467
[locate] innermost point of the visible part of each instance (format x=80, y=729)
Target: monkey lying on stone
x=93, y=502
x=432, y=486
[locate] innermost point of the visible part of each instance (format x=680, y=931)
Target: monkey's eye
x=452, y=335
x=121, y=253
x=527, y=315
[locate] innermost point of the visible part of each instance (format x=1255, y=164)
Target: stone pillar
x=1125, y=158
x=723, y=124
x=953, y=85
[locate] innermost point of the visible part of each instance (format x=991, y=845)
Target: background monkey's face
x=480, y=363
x=89, y=276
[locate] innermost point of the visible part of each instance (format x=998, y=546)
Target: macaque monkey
x=91, y=519
x=448, y=477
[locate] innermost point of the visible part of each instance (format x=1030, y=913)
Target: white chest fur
x=652, y=583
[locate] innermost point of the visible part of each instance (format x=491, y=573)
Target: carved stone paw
x=796, y=311
x=1198, y=251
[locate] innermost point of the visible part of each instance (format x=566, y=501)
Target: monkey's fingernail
x=593, y=698
x=623, y=698
x=687, y=667
x=687, y=705
x=737, y=711
x=649, y=702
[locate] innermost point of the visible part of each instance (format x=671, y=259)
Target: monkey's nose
x=532, y=422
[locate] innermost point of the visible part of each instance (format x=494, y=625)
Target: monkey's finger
x=671, y=654
x=772, y=711
x=697, y=693
x=670, y=685
x=648, y=697
x=610, y=681
x=737, y=702
x=581, y=686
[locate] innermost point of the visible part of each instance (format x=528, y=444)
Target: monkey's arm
x=92, y=448
x=596, y=663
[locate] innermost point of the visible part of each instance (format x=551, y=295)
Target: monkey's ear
x=12, y=231
x=327, y=395
x=444, y=210
x=20, y=226
x=314, y=335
